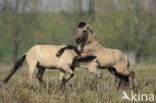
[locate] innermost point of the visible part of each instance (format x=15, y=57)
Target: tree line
x=127, y=25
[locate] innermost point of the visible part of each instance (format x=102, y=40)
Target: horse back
x=46, y=55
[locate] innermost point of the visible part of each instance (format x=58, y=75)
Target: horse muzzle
x=78, y=40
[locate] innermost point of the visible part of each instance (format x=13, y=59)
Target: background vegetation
x=127, y=25
x=83, y=88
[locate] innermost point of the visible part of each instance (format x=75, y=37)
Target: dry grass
x=83, y=88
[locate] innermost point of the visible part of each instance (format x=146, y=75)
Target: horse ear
x=81, y=24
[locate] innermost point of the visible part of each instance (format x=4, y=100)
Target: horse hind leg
x=126, y=80
x=39, y=75
x=122, y=69
x=130, y=74
x=133, y=79
x=113, y=71
x=123, y=79
x=31, y=72
x=120, y=83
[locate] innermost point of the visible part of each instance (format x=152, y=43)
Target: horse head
x=83, y=33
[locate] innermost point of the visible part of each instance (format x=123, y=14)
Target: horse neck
x=93, y=41
x=98, y=44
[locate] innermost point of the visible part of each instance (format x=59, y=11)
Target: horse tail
x=61, y=51
x=16, y=66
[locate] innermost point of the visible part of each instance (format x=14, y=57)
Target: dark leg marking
x=64, y=81
x=40, y=73
x=124, y=80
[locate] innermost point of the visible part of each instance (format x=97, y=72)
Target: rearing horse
x=112, y=59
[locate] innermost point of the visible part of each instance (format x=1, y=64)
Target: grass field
x=83, y=88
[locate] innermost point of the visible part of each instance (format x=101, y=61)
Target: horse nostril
x=85, y=31
x=78, y=40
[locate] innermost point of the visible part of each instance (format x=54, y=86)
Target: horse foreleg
x=30, y=75
x=39, y=75
x=62, y=73
x=71, y=74
x=69, y=77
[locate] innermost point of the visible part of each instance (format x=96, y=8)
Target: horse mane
x=61, y=51
x=82, y=59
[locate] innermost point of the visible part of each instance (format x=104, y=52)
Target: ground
x=83, y=88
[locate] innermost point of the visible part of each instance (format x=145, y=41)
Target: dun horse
x=45, y=56
x=113, y=60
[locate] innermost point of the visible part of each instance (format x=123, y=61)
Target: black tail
x=16, y=66
x=60, y=52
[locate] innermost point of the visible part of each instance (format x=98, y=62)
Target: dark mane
x=77, y=60
x=61, y=51
x=84, y=59
x=85, y=38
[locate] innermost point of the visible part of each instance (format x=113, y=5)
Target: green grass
x=82, y=88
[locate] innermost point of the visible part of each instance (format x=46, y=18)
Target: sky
x=63, y=5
